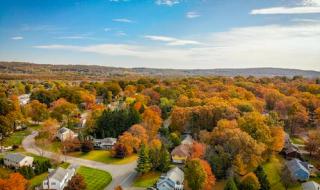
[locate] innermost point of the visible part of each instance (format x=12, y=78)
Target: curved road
x=121, y=174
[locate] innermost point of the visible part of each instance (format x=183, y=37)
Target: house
x=106, y=143
x=24, y=99
x=181, y=153
x=290, y=150
x=173, y=180
x=17, y=160
x=310, y=185
x=187, y=140
x=99, y=99
x=299, y=170
x=65, y=133
x=58, y=179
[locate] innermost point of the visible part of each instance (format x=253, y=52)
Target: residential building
x=58, y=179
x=24, y=99
x=310, y=185
x=187, y=140
x=299, y=170
x=106, y=143
x=65, y=133
x=173, y=180
x=290, y=150
x=181, y=153
x=17, y=160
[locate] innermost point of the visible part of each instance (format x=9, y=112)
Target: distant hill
x=21, y=70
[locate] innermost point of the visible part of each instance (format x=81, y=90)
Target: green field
x=37, y=180
x=296, y=140
x=95, y=179
x=147, y=180
x=103, y=156
x=16, y=138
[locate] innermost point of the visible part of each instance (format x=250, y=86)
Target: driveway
x=121, y=174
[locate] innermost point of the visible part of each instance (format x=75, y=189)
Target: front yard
x=95, y=179
x=147, y=180
x=104, y=157
x=37, y=180
x=273, y=171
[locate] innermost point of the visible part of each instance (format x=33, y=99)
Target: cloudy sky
x=163, y=33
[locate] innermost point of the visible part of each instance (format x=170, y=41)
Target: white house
x=17, y=160
x=106, y=143
x=173, y=180
x=24, y=99
x=310, y=185
x=65, y=133
x=58, y=179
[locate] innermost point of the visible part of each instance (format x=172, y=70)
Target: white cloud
x=291, y=46
x=311, y=2
x=172, y=41
x=168, y=2
x=17, y=38
x=192, y=14
x=302, y=7
x=286, y=10
x=122, y=20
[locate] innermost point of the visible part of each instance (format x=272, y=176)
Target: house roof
x=106, y=140
x=176, y=175
x=310, y=185
x=64, y=130
x=182, y=150
x=16, y=157
x=187, y=140
x=296, y=165
x=59, y=174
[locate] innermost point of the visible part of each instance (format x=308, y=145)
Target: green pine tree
x=144, y=164
x=262, y=177
x=164, y=159
x=231, y=185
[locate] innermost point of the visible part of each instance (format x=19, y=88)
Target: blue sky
x=163, y=33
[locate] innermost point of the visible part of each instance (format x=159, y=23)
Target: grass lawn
x=147, y=180
x=52, y=146
x=4, y=172
x=37, y=180
x=95, y=179
x=103, y=156
x=273, y=169
x=64, y=165
x=297, y=140
x=16, y=138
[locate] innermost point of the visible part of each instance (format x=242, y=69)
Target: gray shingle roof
x=16, y=157
x=310, y=185
x=58, y=174
x=296, y=165
x=176, y=175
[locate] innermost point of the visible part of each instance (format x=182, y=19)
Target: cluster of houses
x=299, y=170
x=57, y=178
x=173, y=179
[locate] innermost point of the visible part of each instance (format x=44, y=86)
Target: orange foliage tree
x=15, y=182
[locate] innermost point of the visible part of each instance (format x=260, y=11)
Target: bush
x=14, y=147
x=86, y=146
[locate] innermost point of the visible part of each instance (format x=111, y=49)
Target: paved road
x=121, y=174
